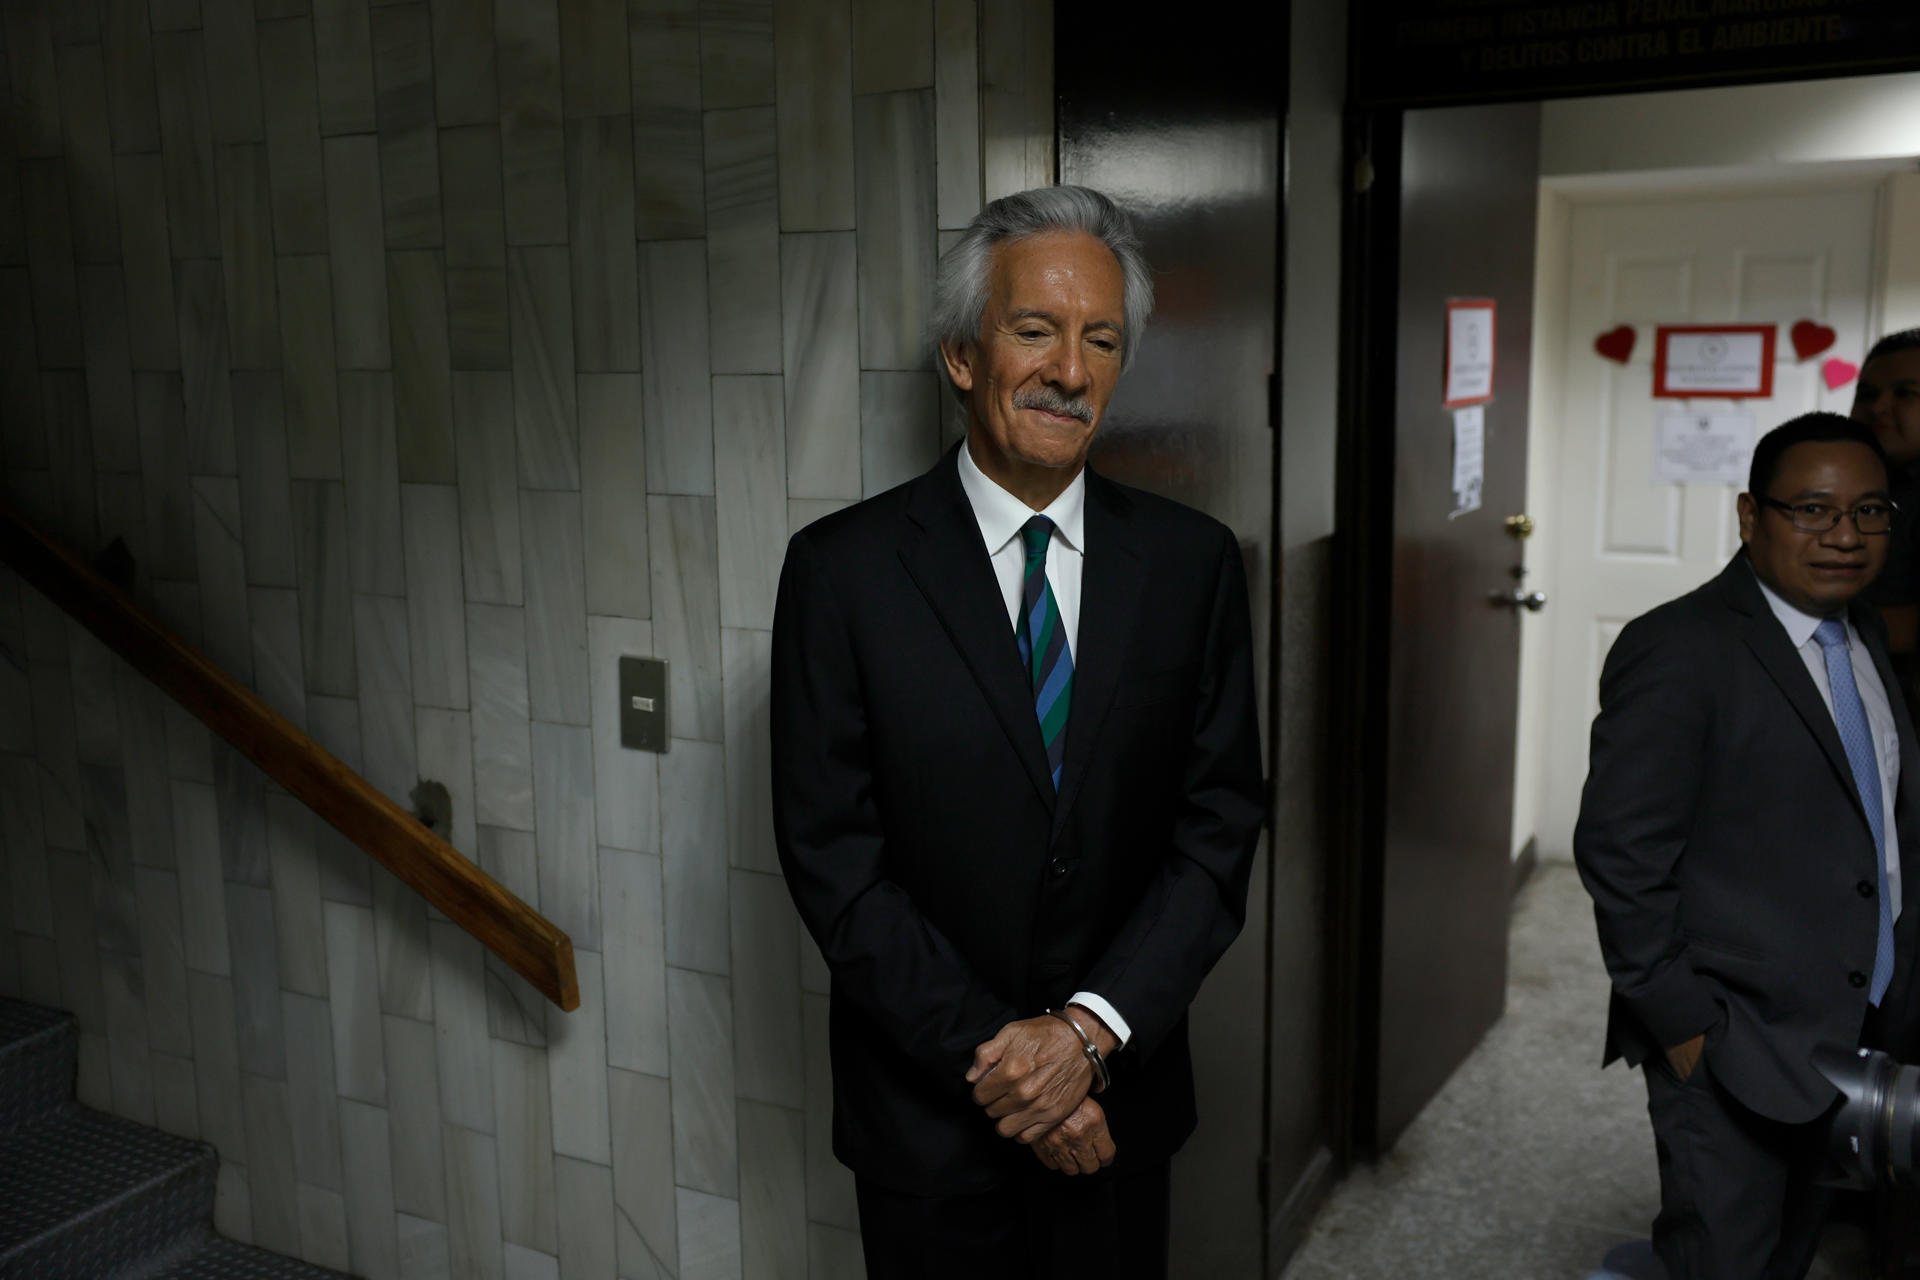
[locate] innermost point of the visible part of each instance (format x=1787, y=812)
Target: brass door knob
x=1520, y=526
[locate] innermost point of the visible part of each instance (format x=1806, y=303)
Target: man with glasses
x=1740, y=833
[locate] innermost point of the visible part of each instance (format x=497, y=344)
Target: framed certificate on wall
x=1729, y=361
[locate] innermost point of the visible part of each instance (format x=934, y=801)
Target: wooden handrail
x=529, y=942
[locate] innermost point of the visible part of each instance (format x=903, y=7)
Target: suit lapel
x=948, y=562
x=1111, y=584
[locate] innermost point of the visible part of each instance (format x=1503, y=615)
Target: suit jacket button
x=1856, y=979
x=1058, y=866
x=1866, y=888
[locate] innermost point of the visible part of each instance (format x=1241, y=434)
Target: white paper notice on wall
x=1469, y=458
x=1703, y=446
x=1470, y=351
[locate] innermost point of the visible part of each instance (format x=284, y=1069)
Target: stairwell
x=89, y=1196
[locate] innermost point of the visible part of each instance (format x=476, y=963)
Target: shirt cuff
x=1100, y=1009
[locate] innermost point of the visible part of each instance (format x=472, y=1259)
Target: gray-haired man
x=1017, y=784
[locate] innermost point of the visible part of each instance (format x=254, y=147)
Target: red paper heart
x=1838, y=372
x=1616, y=344
x=1810, y=339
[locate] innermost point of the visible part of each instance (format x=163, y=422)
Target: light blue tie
x=1850, y=718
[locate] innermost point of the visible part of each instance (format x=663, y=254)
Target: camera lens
x=1873, y=1137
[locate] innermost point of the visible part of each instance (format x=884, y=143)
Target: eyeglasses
x=1818, y=517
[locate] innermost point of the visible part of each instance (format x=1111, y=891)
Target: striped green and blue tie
x=1043, y=646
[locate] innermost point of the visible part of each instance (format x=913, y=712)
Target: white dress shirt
x=1001, y=516
x=1873, y=696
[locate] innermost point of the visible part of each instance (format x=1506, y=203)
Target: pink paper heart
x=1839, y=373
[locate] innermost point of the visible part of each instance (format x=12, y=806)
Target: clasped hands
x=1033, y=1079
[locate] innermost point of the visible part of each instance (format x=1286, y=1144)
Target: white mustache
x=1051, y=401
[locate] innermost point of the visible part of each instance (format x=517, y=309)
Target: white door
x=1623, y=543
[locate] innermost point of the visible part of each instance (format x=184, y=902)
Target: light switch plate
x=643, y=704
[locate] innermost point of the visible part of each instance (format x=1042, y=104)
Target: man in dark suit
x=1017, y=784
x=1750, y=794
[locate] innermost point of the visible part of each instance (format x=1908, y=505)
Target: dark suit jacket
x=1729, y=859
x=950, y=890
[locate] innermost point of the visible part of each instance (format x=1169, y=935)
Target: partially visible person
x=1751, y=793
x=1887, y=399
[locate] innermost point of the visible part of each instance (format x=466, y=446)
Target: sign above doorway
x=1426, y=52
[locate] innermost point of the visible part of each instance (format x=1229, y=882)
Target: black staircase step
x=83, y=1194
x=224, y=1259
x=37, y=1057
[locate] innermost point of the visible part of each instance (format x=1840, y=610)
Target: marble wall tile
x=586, y=1217
x=34, y=74
x=266, y=501
x=830, y=1195
x=73, y=497
x=30, y=901
x=645, y=1228
x=489, y=490
x=477, y=318
x=768, y=1040
x=175, y=1108
x=291, y=102
x=669, y=188
x=386, y=698
x=956, y=110
x=473, y=1198
x=109, y=369
x=129, y=1061
x=143, y=759
x=705, y=1148
x=400, y=935
x=323, y=1228
x=409, y=142
x=216, y=1064
x=773, y=1192
x=747, y=658
x=709, y=1236
x=23, y=435
x=523, y=1123
x=563, y=805
x=357, y=252
x=353, y=1005
x=89, y=152
x=196, y=845
x=460, y=1027
x=126, y=44
x=217, y=531
x=820, y=323
x=743, y=241
x=50, y=267
x=270, y=1182
x=273, y=616
x=502, y=743
x=93, y=1080
x=626, y=781
x=544, y=409
x=634, y=935
x=436, y=614
x=413, y=1117
x=345, y=874
x=532, y=142
x=529, y=1264
x=246, y=251
x=813, y=78
x=422, y=366
x=312, y=390
x=736, y=53
x=186, y=142
x=894, y=199
x=207, y=386
x=577, y=1068
x=693, y=836
x=366, y=1148
x=892, y=45
x=232, y=1203
x=613, y=487
x=593, y=57
x=39, y=970
x=464, y=89
x=163, y=961
x=1016, y=97
x=189, y=745
x=79, y=25
x=301, y=933
x=606, y=315
x=54, y=744
x=677, y=393
x=899, y=427
x=233, y=70
x=556, y=606
x=475, y=203
x=313, y=1106
x=750, y=479
x=444, y=741
x=835, y=1251
x=326, y=587
x=96, y=718
x=369, y=451
x=343, y=57
x=262, y=1040
x=146, y=258
x=13, y=232
x=515, y=1011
